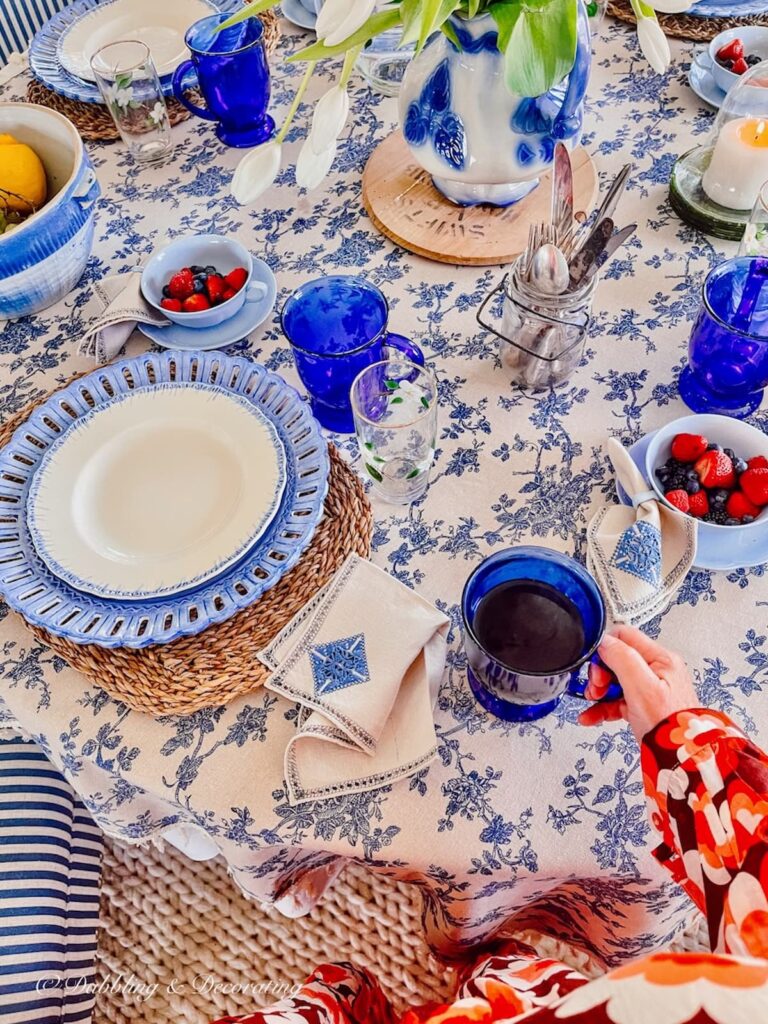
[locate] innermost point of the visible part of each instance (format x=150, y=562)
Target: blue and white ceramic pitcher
x=480, y=142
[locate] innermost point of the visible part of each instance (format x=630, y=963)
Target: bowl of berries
x=733, y=52
x=715, y=469
x=201, y=281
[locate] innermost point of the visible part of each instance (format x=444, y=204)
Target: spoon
x=549, y=270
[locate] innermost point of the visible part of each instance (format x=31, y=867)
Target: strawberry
x=679, y=499
x=739, y=505
x=759, y=462
x=715, y=469
x=698, y=504
x=173, y=304
x=182, y=284
x=236, y=278
x=754, y=483
x=195, y=303
x=214, y=286
x=731, y=51
x=740, y=66
x=229, y=293
x=688, y=447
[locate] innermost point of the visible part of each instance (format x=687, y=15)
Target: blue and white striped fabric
x=20, y=19
x=50, y=872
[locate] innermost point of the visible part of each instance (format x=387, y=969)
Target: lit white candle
x=739, y=165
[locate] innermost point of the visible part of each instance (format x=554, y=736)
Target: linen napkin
x=641, y=554
x=115, y=308
x=364, y=660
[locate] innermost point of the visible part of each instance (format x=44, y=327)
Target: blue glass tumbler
x=728, y=348
x=337, y=326
x=516, y=696
x=233, y=76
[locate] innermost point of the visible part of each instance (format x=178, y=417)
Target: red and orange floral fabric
x=707, y=788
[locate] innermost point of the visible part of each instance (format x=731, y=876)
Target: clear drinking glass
x=383, y=62
x=755, y=240
x=394, y=404
x=128, y=81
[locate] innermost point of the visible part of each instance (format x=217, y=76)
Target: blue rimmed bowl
x=43, y=258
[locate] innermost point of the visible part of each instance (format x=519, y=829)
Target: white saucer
x=705, y=86
x=295, y=12
x=237, y=327
x=718, y=555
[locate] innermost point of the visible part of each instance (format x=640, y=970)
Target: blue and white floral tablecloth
x=509, y=814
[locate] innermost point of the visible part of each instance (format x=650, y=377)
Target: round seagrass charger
x=94, y=121
x=218, y=665
x=687, y=26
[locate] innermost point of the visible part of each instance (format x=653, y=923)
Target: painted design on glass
x=431, y=118
x=339, y=664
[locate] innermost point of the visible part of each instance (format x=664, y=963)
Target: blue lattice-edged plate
x=43, y=599
x=44, y=58
x=156, y=491
x=728, y=8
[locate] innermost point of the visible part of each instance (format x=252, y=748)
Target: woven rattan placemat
x=94, y=122
x=218, y=665
x=686, y=26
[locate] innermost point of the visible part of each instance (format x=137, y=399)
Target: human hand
x=656, y=682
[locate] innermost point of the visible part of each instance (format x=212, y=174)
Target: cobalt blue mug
x=337, y=326
x=233, y=76
x=504, y=689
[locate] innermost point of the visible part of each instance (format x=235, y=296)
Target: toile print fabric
x=544, y=820
x=707, y=790
x=366, y=703
x=640, y=555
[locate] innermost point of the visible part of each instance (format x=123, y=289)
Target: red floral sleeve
x=707, y=785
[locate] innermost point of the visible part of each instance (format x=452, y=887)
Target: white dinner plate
x=157, y=492
x=162, y=26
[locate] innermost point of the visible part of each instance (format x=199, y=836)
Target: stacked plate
x=157, y=496
x=60, y=54
x=728, y=8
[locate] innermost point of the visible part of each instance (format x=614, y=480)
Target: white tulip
x=339, y=19
x=256, y=172
x=654, y=44
x=329, y=118
x=312, y=167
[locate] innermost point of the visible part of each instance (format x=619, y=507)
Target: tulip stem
x=296, y=101
x=349, y=65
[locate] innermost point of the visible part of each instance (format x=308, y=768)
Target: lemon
x=23, y=186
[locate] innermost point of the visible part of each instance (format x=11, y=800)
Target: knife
x=562, y=190
x=610, y=202
x=614, y=242
x=594, y=244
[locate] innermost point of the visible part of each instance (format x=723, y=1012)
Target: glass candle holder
x=394, y=404
x=728, y=349
x=755, y=240
x=127, y=79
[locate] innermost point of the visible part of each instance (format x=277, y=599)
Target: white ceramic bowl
x=204, y=250
x=755, y=39
x=745, y=440
x=43, y=258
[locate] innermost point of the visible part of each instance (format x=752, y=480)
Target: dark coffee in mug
x=530, y=626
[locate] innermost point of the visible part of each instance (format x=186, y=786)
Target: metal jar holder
x=541, y=338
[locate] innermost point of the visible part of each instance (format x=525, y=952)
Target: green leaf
x=429, y=12
x=368, y=445
x=539, y=44
x=248, y=11
x=391, y=385
x=473, y=6
x=410, y=15
x=448, y=30
x=379, y=22
x=396, y=401
x=413, y=473
x=425, y=401
x=374, y=473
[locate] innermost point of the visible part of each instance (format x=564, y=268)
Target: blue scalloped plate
x=44, y=60
x=728, y=8
x=30, y=588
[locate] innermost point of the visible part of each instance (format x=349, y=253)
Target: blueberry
x=693, y=486
x=753, y=59
x=731, y=521
x=714, y=448
x=730, y=453
x=718, y=497
x=197, y=269
x=692, y=474
x=739, y=466
x=747, y=519
x=211, y=270
x=199, y=285
x=166, y=292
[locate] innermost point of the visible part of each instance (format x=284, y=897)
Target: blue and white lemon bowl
x=43, y=258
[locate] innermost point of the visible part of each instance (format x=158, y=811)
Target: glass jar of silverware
x=544, y=301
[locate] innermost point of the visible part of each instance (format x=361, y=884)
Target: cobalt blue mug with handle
x=337, y=326
x=233, y=76
x=534, y=686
